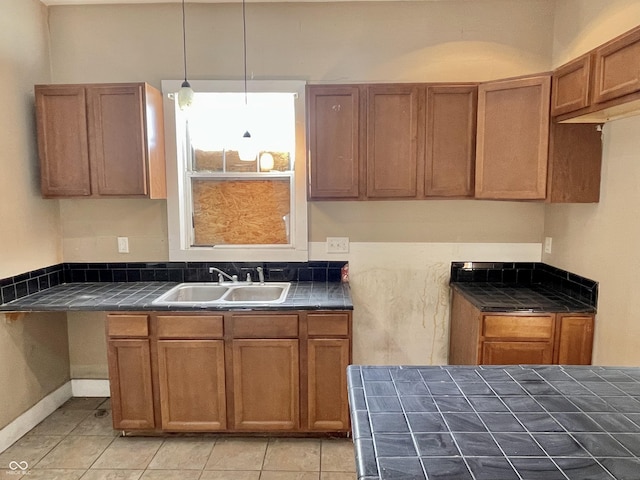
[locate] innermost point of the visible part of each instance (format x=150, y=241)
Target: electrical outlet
x=123, y=244
x=547, y=244
x=337, y=244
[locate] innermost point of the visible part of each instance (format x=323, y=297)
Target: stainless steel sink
x=229, y=294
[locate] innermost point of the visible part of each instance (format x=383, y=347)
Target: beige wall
x=319, y=43
x=333, y=42
x=601, y=241
x=34, y=358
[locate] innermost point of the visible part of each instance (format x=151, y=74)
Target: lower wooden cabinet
x=192, y=399
x=129, y=356
x=328, y=359
x=229, y=371
x=266, y=385
x=479, y=338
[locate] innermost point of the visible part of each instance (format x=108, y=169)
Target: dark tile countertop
x=139, y=295
x=496, y=423
x=506, y=297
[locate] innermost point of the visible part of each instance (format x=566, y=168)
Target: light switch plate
x=123, y=244
x=337, y=244
x=547, y=244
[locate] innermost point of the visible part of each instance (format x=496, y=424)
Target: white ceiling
x=103, y=2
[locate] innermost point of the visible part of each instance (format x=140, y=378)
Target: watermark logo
x=18, y=467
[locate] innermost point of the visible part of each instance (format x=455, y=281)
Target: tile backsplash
x=19, y=286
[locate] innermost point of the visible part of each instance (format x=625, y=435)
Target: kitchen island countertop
x=496, y=422
x=131, y=296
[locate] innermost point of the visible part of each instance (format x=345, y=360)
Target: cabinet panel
x=190, y=326
x=392, y=127
x=334, y=141
x=192, y=385
x=327, y=384
x=617, y=67
x=266, y=382
x=512, y=139
x=515, y=326
x=514, y=353
x=574, y=340
x=328, y=324
x=450, y=141
x=265, y=326
x=571, y=86
x=116, y=139
x=62, y=141
x=130, y=384
x=127, y=325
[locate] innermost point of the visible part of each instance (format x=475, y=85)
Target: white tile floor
x=77, y=442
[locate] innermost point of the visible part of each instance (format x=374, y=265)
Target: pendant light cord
x=184, y=41
x=244, y=45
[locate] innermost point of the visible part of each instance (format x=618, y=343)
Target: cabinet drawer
x=265, y=326
x=507, y=326
x=190, y=326
x=127, y=325
x=328, y=324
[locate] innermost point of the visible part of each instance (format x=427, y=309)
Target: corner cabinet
x=100, y=140
x=496, y=338
x=254, y=372
x=512, y=139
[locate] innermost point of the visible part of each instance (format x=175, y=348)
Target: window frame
x=178, y=198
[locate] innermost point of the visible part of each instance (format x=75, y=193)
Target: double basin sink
x=224, y=294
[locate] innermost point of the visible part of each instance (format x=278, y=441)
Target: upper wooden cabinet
x=334, y=141
x=513, y=138
x=617, y=67
x=450, y=135
x=571, y=86
x=391, y=141
x=602, y=85
x=392, y=129
x=100, y=140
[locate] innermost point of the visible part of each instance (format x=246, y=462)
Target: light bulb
x=185, y=95
x=247, y=150
x=266, y=162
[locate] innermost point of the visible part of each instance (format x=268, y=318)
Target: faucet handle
x=249, y=277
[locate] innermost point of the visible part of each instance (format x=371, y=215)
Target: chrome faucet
x=260, y=275
x=222, y=275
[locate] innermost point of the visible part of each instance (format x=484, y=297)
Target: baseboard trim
x=32, y=417
x=86, y=387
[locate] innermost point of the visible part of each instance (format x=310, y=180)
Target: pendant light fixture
x=185, y=95
x=247, y=151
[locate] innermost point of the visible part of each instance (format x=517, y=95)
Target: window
x=229, y=199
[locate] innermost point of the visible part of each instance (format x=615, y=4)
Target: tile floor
x=77, y=442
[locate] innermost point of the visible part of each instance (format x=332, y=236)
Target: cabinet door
x=266, y=385
x=334, y=141
x=512, y=139
x=117, y=139
x=392, y=127
x=516, y=353
x=130, y=384
x=570, y=86
x=62, y=141
x=327, y=384
x=617, y=67
x=574, y=340
x=450, y=141
x=192, y=385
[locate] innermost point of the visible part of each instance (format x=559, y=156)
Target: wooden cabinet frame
x=174, y=357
